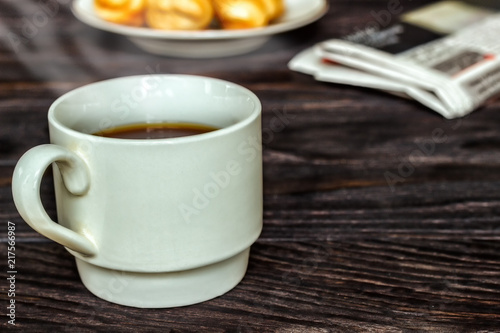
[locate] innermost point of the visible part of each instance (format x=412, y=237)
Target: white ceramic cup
x=151, y=223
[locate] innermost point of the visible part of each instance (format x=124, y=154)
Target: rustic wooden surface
x=342, y=250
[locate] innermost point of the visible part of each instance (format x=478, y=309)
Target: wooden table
x=342, y=249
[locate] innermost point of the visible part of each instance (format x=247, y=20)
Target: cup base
x=165, y=289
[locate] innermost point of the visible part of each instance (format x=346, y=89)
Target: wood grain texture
x=382, y=284
x=346, y=247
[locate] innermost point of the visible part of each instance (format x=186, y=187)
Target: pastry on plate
x=179, y=14
x=128, y=12
x=274, y=8
x=241, y=14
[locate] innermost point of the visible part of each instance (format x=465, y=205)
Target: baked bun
x=274, y=8
x=241, y=14
x=179, y=14
x=128, y=12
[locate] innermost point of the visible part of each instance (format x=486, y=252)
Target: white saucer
x=206, y=43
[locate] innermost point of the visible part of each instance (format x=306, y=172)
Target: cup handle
x=26, y=182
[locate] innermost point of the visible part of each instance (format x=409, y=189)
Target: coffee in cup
x=157, y=222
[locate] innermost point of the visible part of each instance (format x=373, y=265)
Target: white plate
x=206, y=43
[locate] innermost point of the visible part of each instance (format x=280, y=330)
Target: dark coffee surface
x=155, y=131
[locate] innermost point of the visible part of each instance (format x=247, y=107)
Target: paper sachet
x=451, y=74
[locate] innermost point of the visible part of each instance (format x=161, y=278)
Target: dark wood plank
x=467, y=210
x=382, y=285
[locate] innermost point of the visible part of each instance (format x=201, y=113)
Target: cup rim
x=256, y=112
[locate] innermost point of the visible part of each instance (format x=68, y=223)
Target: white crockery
x=151, y=223
x=206, y=43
